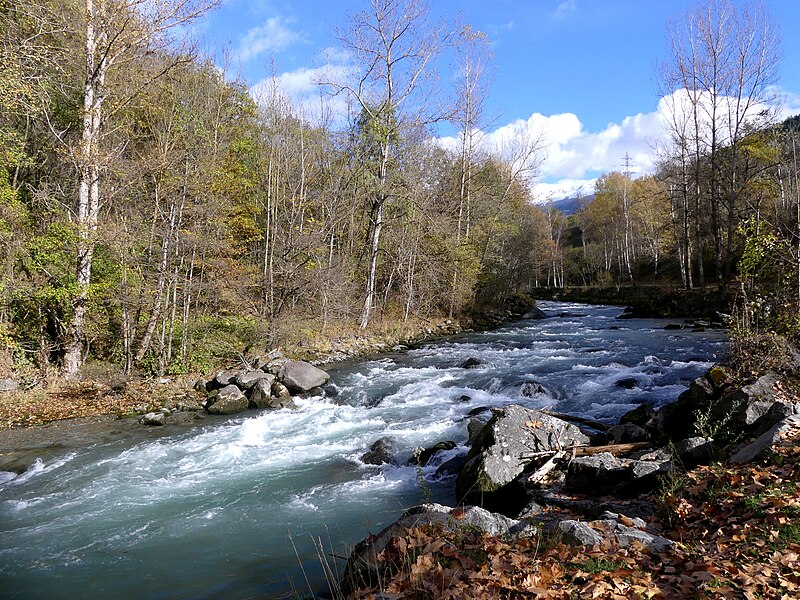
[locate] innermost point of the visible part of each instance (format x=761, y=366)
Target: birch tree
x=724, y=59
x=115, y=32
x=471, y=89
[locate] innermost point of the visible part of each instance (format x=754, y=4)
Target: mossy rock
x=718, y=376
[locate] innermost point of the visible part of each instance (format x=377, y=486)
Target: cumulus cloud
x=568, y=158
x=573, y=157
x=789, y=102
x=275, y=35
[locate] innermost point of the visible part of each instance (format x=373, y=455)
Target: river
x=240, y=508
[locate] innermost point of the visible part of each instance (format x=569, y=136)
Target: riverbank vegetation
x=158, y=216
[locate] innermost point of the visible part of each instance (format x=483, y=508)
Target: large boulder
x=261, y=392
x=626, y=433
x=695, y=451
x=502, y=451
x=704, y=409
x=641, y=415
x=687, y=416
x=154, y=419
x=367, y=559
x=422, y=456
x=247, y=379
x=281, y=392
x=226, y=401
x=779, y=411
x=749, y=403
x=605, y=473
x=598, y=474
x=762, y=446
x=299, y=376
x=222, y=379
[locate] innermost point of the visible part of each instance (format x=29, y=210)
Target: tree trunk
x=88, y=202
x=377, y=226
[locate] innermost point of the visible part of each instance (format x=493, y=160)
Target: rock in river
x=300, y=376
x=502, y=451
x=226, y=401
x=380, y=452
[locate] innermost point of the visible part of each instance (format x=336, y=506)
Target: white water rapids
x=229, y=510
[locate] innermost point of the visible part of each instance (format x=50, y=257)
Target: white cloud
x=573, y=157
x=790, y=102
x=565, y=9
x=274, y=35
x=302, y=88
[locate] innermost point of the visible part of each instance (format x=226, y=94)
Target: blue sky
x=582, y=70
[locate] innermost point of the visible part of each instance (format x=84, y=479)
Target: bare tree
x=724, y=59
x=471, y=88
x=393, y=44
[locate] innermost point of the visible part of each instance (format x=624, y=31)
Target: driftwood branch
x=542, y=471
x=614, y=449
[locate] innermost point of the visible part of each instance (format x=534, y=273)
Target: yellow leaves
x=71, y=401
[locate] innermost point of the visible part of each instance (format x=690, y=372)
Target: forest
x=156, y=216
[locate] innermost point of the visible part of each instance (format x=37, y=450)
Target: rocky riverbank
x=551, y=506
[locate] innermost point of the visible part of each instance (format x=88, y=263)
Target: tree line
x=155, y=215
x=722, y=210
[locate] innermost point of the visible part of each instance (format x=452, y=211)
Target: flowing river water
x=240, y=507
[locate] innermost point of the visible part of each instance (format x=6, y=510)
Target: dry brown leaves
x=79, y=399
x=736, y=530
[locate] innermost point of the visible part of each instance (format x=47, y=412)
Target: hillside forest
x=157, y=215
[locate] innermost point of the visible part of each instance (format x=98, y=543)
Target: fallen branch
x=542, y=471
x=614, y=449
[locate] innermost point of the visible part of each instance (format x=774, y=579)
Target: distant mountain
x=569, y=206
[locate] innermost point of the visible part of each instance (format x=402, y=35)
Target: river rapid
x=239, y=508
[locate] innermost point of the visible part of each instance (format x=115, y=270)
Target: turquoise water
x=240, y=509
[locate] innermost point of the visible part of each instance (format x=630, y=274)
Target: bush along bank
x=696, y=499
